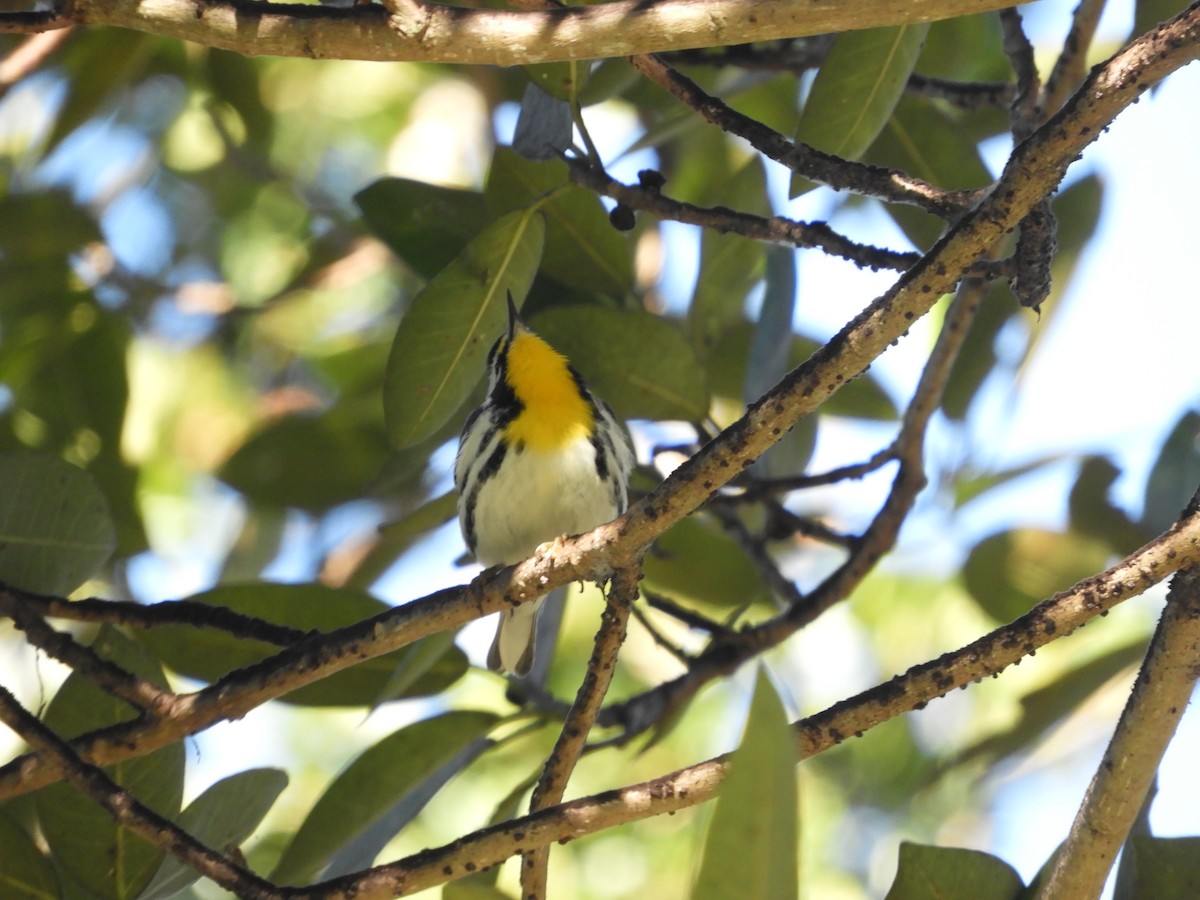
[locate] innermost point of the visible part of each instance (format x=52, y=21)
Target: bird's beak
x=514, y=319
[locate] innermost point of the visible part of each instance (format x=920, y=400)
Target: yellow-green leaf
x=441, y=346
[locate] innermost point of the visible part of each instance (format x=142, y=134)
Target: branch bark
x=420, y=31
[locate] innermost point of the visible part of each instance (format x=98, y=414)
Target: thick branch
x=1160, y=695
x=419, y=31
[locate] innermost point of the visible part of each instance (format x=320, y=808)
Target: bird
x=540, y=457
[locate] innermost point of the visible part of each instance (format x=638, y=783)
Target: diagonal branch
x=1118, y=789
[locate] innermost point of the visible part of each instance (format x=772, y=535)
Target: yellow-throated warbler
x=540, y=458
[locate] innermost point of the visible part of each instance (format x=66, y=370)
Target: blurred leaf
x=98, y=63
x=427, y=226
x=223, y=816
x=473, y=887
x=854, y=93
x=1174, y=477
x=25, y=872
x=544, y=126
x=1148, y=13
x=108, y=860
x=952, y=873
x=697, y=562
x=639, y=363
x=371, y=786
x=862, y=398
x=582, y=247
x=751, y=846
x=235, y=79
x=208, y=654
x=730, y=265
x=968, y=487
x=1163, y=868
x=38, y=234
x=769, y=361
x=426, y=654
x=441, y=346
x=558, y=80
x=55, y=530
x=310, y=462
x=977, y=357
x=610, y=78
x=1010, y=572
x=396, y=537
x=965, y=48
x=924, y=140
x=1094, y=515
x=1043, y=708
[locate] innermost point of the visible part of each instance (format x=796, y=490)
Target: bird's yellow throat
x=554, y=411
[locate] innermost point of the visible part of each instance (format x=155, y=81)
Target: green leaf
x=751, y=846
x=1010, y=572
x=99, y=64
x=372, y=785
x=427, y=226
x=730, y=265
x=582, y=247
x=109, y=861
x=968, y=486
x=223, y=816
x=1094, y=515
x=1164, y=868
x=1174, y=477
x=309, y=462
x=25, y=872
x=856, y=90
x=395, y=538
x=638, y=362
x=977, y=357
x=442, y=343
x=55, y=530
x=769, y=361
x=560, y=80
x=927, y=141
x=951, y=873
x=1148, y=13
x=695, y=562
x=965, y=48
x=862, y=398
x=208, y=654
x=1043, y=708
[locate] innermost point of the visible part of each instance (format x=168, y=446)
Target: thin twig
x=964, y=95
x=1023, y=113
x=145, y=696
x=153, y=615
x=870, y=181
x=1071, y=65
x=29, y=55
x=622, y=593
x=777, y=229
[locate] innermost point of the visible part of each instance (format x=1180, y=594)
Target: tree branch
x=1048, y=621
x=126, y=810
x=420, y=31
x=601, y=667
x=1157, y=703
